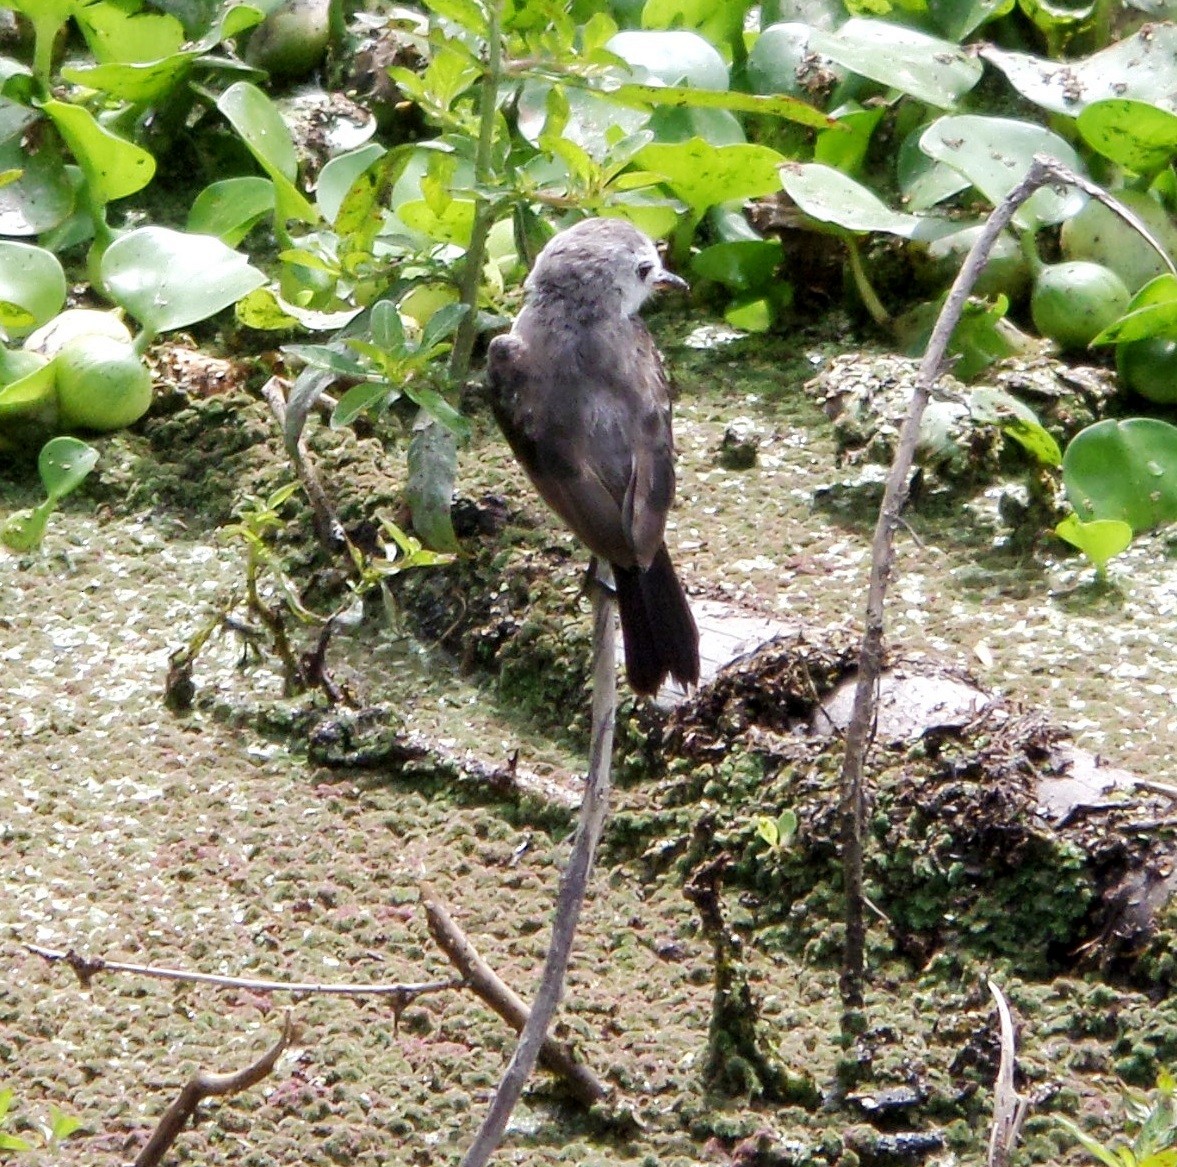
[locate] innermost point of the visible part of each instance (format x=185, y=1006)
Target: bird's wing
x=563, y=454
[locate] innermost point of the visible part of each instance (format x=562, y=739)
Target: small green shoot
x=63, y=465
x=1100, y=540
x=9, y=1142
x=778, y=833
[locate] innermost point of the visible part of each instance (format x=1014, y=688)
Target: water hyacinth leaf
x=994, y=155
x=433, y=468
x=31, y=280
x=32, y=395
x=1152, y=312
x=116, y=34
x=703, y=175
x=1100, y=540
x=113, y=167
x=1136, y=135
x=845, y=148
x=956, y=19
x=1124, y=470
x=141, y=83
x=740, y=266
x=833, y=197
x=592, y=120
x=1143, y=67
x=168, y=279
x=923, y=181
x=63, y=465
x=257, y=119
x=452, y=223
x=41, y=196
x=229, y=209
x=930, y=69
x=670, y=56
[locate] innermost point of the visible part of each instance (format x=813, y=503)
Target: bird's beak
x=668, y=281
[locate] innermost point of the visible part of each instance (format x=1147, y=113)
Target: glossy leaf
x=1143, y=67
x=113, y=167
x=833, y=197
x=1152, y=312
x=41, y=197
x=994, y=154
x=141, y=83
x=256, y=118
x=670, y=56
x=741, y=266
x=933, y=70
x=231, y=208
x=168, y=279
x=338, y=175
x=63, y=465
x=1124, y=470
x=32, y=279
x=682, y=97
x=1136, y=135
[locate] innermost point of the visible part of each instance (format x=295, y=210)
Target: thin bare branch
x=1009, y=1107
x=573, y=885
x=205, y=1085
x=482, y=980
x=86, y=968
x=1043, y=171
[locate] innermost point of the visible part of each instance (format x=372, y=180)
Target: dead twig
x=1009, y=1107
x=573, y=885
x=482, y=980
x=86, y=968
x=1043, y=171
x=205, y=1085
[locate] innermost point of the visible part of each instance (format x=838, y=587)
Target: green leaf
x=142, y=83
x=256, y=118
x=767, y=829
x=1151, y=313
x=169, y=279
x=720, y=21
x=994, y=155
x=956, y=19
x=1136, y=135
x=438, y=409
x=845, y=148
x=32, y=394
x=442, y=324
x=833, y=197
x=1144, y=67
x=433, y=467
x=387, y=329
x=331, y=360
x=61, y=1125
x=359, y=398
x=113, y=167
x=340, y=173
x=116, y=34
x=63, y=465
x=741, y=266
x=930, y=69
x=669, y=56
x=467, y=14
x=1035, y=440
x=703, y=175
x=680, y=97
x=231, y=208
x=42, y=197
x=1099, y=540
x=32, y=278
x=451, y=224
x=361, y=214
x=1124, y=470
x=14, y=1142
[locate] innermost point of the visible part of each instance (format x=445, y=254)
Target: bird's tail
x=657, y=627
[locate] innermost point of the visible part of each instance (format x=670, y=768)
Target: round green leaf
x=833, y=197
x=1137, y=135
x=114, y=167
x=337, y=177
x=1151, y=313
x=1099, y=540
x=41, y=198
x=994, y=155
x=63, y=465
x=168, y=279
x=228, y=209
x=32, y=280
x=1124, y=470
x=671, y=56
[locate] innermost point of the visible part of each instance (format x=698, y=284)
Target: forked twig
x=573, y=886
x=205, y=1085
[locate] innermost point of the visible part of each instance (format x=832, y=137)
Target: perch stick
x=482, y=980
x=573, y=885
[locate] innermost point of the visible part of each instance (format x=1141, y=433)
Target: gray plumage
x=579, y=390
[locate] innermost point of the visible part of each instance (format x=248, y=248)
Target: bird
x=579, y=390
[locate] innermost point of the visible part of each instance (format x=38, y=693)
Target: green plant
x=53, y=1133
x=1149, y=1138
x=777, y=832
x=63, y=465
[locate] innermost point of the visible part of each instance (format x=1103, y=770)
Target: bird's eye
x=644, y=269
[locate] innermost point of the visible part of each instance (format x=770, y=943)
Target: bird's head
x=600, y=266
